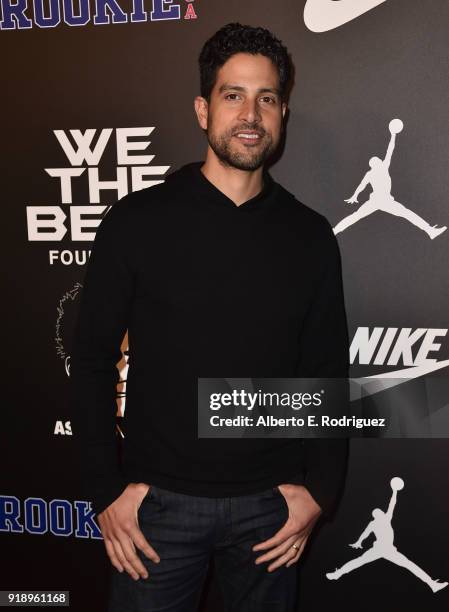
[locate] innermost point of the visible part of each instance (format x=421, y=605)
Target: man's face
x=244, y=116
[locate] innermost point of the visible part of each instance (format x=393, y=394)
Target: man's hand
x=121, y=533
x=352, y=200
x=356, y=545
x=303, y=514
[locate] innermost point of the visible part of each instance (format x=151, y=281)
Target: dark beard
x=221, y=146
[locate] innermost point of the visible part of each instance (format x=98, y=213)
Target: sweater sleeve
x=324, y=352
x=100, y=327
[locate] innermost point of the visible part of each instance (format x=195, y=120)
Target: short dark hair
x=237, y=38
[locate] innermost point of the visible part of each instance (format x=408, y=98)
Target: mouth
x=248, y=136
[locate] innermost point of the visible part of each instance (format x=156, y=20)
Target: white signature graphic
x=324, y=15
x=380, y=198
x=383, y=547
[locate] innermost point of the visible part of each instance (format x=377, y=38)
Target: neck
x=238, y=185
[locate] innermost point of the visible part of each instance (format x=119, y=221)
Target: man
x=217, y=272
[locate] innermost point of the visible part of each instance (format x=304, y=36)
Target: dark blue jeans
x=187, y=531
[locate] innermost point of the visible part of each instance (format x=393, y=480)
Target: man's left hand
x=303, y=511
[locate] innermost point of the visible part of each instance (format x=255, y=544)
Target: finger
x=298, y=553
x=129, y=551
x=142, y=544
x=278, y=550
x=279, y=537
x=111, y=554
x=282, y=560
x=287, y=530
x=288, y=556
x=123, y=559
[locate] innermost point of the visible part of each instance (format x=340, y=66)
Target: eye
x=228, y=96
x=269, y=100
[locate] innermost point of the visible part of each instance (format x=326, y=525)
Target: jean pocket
x=149, y=504
x=278, y=494
x=149, y=496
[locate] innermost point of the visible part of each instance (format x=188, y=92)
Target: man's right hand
x=121, y=533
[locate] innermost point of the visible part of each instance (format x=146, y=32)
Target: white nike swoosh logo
x=387, y=380
x=324, y=15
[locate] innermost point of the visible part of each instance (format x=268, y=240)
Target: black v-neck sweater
x=205, y=288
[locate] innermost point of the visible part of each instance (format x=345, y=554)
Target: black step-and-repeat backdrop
x=98, y=101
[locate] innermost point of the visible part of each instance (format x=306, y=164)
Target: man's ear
x=201, y=109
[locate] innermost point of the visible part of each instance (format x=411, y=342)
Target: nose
x=249, y=111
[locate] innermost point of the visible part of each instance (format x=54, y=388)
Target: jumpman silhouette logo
x=383, y=547
x=380, y=198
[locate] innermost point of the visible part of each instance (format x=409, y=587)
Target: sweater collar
x=200, y=186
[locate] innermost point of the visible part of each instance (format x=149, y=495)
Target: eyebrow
x=227, y=86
